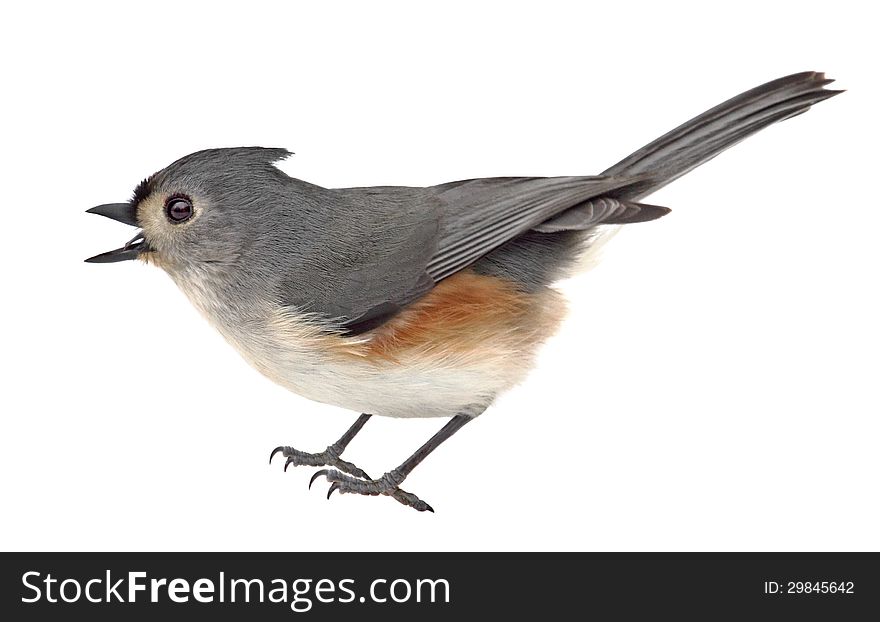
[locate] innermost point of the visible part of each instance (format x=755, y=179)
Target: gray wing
x=365, y=254
x=396, y=243
x=601, y=211
x=480, y=215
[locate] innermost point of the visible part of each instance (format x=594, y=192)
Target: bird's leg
x=328, y=457
x=389, y=483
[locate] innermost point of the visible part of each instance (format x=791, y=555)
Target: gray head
x=204, y=208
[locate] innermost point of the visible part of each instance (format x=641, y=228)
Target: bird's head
x=201, y=209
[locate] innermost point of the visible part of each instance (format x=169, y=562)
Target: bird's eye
x=178, y=209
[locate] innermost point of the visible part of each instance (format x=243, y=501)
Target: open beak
x=125, y=213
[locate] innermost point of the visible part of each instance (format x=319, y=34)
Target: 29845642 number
x=820, y=587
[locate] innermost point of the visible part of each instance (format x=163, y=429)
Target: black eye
x=178, y=209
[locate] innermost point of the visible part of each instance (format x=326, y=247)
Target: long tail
x=704, y=137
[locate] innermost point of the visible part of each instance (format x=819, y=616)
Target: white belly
x=407, y=387
x=437, y=378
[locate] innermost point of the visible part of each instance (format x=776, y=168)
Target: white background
x=715, y=385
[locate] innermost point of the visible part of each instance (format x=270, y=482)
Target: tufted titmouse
x=399, y=301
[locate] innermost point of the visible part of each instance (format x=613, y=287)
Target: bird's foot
x=387, y=485
x=328, y=457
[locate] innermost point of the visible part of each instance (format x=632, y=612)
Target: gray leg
x=328, y=457
x=389, y=483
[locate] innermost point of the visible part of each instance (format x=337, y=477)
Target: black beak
x=131, y=250
x=125, y=213
x=122, y=212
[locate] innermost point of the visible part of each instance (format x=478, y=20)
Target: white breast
x=291, y=351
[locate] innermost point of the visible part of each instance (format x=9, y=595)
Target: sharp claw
x=429, y=508
x=360, y=473
x=275, y=451
x=287, y=464
x=316, y=476
x=334, y=487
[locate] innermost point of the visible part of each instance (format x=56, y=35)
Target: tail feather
x=705, y=136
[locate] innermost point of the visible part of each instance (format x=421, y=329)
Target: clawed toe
x=387, y=485
x=316, y=476
x=328, y=457
x=275, y=451
x=334, y=487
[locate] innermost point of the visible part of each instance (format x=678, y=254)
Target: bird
x=404, y=301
